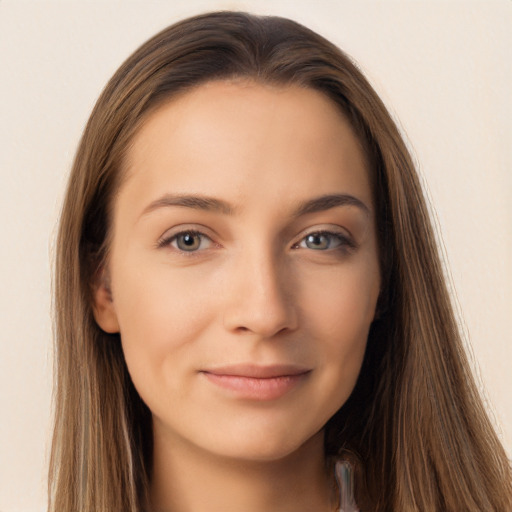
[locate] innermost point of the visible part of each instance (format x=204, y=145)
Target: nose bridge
x=261, y=294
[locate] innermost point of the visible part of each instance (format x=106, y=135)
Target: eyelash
x=167, y=241
x=345, y=243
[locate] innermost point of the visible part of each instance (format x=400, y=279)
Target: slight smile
x=261, y=383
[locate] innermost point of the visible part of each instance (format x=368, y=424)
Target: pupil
x=317, y=240
x=189, y=240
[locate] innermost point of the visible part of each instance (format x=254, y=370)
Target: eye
x=324, y=240
x=187, y=241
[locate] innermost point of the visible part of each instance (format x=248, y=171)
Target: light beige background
x=444, y=70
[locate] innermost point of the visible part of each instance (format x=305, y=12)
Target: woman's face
x=243, y=269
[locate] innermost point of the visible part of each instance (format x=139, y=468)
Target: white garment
x=345, y=479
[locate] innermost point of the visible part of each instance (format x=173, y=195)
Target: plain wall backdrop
x=442, y=67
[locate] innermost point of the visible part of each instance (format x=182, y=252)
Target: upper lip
x=258, y=371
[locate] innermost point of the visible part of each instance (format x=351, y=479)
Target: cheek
x=341, y=309
x=159, y=305
x=161, y=316
x=342, y=302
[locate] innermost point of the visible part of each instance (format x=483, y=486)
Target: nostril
x=265, y=325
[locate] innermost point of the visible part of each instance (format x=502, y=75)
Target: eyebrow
x=197, y=202
x=327, y=202
x=206, y=203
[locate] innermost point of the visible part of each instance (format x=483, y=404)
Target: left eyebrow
x=327, y=202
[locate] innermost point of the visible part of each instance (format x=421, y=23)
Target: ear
x=103, y=304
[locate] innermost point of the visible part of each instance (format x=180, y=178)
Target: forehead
x=233, y=137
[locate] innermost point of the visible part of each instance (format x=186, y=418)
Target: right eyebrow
x=197, y=202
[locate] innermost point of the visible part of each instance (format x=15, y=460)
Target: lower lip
x=251, y=388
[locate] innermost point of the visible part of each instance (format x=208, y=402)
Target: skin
x=252, y=289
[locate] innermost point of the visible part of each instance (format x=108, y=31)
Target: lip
x=253, y=382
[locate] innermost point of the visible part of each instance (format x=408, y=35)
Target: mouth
x=261, y=383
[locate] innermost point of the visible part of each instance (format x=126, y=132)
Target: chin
x=265, y=446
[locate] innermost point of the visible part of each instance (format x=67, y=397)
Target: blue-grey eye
x=189, y=241
x=322, y=241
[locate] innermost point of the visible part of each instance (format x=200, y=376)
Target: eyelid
x=347, y=240
x=336, y=231
x=172, y=234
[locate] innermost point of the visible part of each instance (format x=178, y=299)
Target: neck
x=187, y=479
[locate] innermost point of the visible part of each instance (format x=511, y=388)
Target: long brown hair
x=414, y=426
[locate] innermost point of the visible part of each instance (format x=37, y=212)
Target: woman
x=248, y=290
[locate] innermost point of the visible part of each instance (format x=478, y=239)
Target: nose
x=261, y=297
